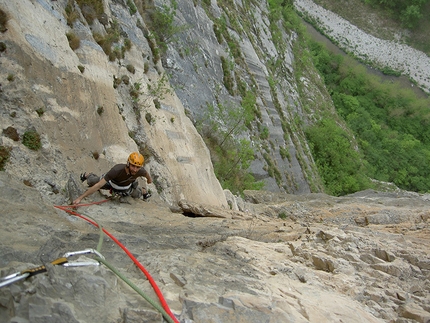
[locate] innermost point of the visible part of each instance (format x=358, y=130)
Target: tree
x=231, y=154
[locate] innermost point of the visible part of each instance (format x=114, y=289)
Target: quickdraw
x=63, y=261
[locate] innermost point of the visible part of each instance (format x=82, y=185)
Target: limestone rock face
x=87, y=121
x=195, y=62
x=292, y=259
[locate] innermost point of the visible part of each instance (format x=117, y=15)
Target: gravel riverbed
x=382, y=53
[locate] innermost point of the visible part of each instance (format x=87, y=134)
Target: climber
x=120, y=179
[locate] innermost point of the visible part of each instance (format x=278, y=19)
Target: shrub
x=135, y=91
x=74, y=41
x=4, y=156
x=228, y=79
x=131, y=68
x=149, y=118
x=282, y=216
x=71, y=14
x=11, y=133
x=264, y=133
x=3, y=20
x=100, y=110
x=131, y=7
x=81, y=68
x=339, y=164
x=105, y=42
x=127, y=44
x=91, y=9
x=116, y=82
x=163, y=30
x=40, y=111
x=31, y=140
x=218, y=34
x=125, y=79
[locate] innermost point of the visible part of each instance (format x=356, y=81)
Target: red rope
x=133, y=258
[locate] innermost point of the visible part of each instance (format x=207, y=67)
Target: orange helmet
x=136, y=159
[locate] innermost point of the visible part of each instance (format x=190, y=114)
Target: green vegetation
x=71, y=14
x=125, y=79
x=157, y=104
x=3, y=21
x=408, y=11
x=131, y=68
x=74, y=41
x=282, y=215
x=11, y=133
x=106, y=42
x=163, y=29
x=384, y=133
x=96, y=155
x=135, y=91
x=40, y=111
x=131, y=7
x=228, y=79
x=4, y=156
x=113, y=44
x=31, y=139
x=117, y=81
x=149, y=118
x=159, y=89
x=338, y=163
x=390, y=124
x=91, y=9
x=231, y=155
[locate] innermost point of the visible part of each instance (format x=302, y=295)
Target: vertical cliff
x=231, y=49
x=93, y=92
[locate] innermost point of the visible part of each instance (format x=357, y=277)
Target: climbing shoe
x=83, y=177
x=146, y=196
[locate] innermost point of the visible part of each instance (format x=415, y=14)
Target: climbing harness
x=64, y=261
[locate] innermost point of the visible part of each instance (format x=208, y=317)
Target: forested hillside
x=391, y=126
x=390, y=121
x=406, y=21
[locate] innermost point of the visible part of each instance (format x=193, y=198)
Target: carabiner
x=91, y=262
x=4, y=281
x=64, y=261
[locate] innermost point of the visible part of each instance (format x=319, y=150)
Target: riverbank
x=381, y=53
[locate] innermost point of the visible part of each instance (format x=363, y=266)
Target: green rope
x=99, y=245
x=125, y=279
x=137, y=289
